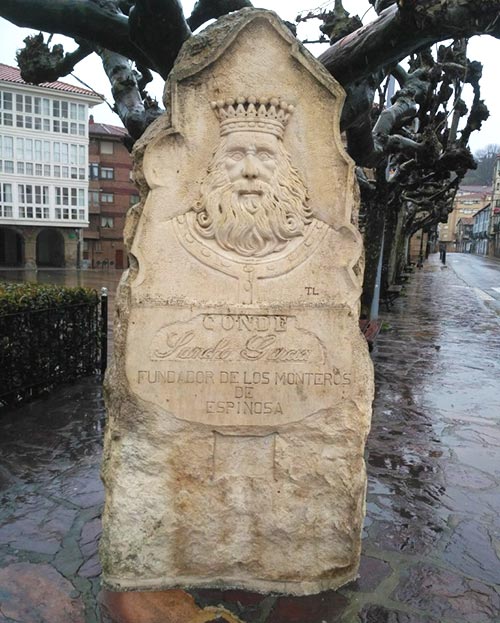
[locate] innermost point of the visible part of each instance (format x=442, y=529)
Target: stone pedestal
x=240, y=393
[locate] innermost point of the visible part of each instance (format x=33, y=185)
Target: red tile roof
x=12, y=74
x=103, y=129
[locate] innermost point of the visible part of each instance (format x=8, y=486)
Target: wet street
x=431, y=549
x=481, y=273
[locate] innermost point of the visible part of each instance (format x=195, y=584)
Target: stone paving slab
x=431, y=549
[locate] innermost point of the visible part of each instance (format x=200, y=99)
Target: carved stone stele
x=239, y=396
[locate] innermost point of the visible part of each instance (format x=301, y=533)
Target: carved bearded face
x=252, y=201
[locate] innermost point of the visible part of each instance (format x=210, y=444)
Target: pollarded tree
x=411, y=141
x=418, y=169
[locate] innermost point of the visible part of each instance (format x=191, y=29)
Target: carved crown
x=253, y=114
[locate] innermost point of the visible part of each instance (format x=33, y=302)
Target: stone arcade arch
x=50, y=248
x=11, y=247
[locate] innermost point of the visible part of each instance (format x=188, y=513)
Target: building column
x=72, y=248
x=29, y=237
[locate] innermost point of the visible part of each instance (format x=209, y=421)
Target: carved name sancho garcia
x=237, y=337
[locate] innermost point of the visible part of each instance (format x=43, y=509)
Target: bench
x=403, y=277
x=370, y=329
x=390, y=294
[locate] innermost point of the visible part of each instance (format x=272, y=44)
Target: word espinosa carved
x=242, y=383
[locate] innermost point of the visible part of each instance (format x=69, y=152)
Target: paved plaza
x=431, y=549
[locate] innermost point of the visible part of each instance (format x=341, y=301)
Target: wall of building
x=464, y=239
x=480, y=231
x=494, y=231
x=468, y=202
x=111, y=194
x=43, y=171
x=418, y=245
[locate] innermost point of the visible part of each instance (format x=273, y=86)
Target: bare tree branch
x=78, y=19
x=38, y=63
x=338, y=23
x=359, y=100
x=360, y=145
x=159, y=29
x=395, y=34
x=124, y=84
x=381, y=5
x=205, y=10
x=369, y=146
x=479, y=112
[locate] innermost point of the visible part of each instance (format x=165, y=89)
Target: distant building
x=494, y=233
x=111, y=194
x=480, y=230
x=468, y=201
x=464, y=235
x=43, y=171
x=419, y=246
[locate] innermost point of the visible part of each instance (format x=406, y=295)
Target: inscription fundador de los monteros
x=239, y=395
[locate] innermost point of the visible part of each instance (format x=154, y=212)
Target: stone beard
x=252, y=201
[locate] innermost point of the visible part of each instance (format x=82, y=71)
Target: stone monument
x=240, y=393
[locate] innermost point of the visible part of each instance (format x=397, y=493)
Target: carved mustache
x=255, y=187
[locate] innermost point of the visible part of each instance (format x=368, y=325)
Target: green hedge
x=48, y=335
x=15, y=297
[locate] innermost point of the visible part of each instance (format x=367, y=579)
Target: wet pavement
x=481, y=273
x=431, y=549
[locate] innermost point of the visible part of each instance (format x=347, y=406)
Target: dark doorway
x=11, y=247
x=50, y=248
x=119, y=258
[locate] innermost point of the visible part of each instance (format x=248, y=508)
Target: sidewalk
x=431, y=551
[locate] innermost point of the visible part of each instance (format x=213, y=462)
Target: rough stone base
x=225, y=583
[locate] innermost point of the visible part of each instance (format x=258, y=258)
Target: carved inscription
x=310, y=291
x=241, y=368
x=203, y=377
x=237, y=337
x=243, y=400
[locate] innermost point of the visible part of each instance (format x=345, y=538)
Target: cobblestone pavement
x=431, y=550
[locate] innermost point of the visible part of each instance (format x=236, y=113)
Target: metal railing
x=43, y=348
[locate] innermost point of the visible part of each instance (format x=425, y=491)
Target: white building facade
x=480, y=231
x=43, y=171
x=494, y=235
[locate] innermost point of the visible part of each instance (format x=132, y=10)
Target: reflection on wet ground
x=431, y=549
x=95, y=279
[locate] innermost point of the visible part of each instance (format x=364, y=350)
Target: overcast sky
x=484, y=49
